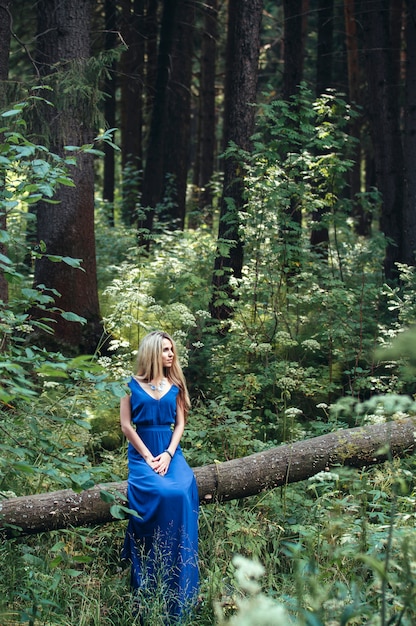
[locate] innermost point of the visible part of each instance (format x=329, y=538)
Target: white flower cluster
x=256, y=609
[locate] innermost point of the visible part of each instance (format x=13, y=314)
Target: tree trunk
x=110, y=86
x=239, y=478
x=177, y=139
x=295, y=13
x=324, y=46
x=319, y=237
x=409, y=218
x=243, y=43
x=207, y=135
x=67, y=228
x=362, y=219
x=151, y=30
x=295, y=22
x=131, y=85
x=5, y=33
x=384, y=119
x=153, y=182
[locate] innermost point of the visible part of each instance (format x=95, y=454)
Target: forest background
x=240, y=174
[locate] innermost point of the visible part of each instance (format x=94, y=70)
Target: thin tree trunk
x=362, y=219
x=295, y=23
x=177, y=139
x=324, y=46
x=110, y=86
x=295, y=14
x=151, y=42
x=409, y=218
x=207, y=142
x=319, y=237
x=243, y=43
x=131, y=85
x=5, y=33
x=384, y=119
x=153, y=182
x=239, y=478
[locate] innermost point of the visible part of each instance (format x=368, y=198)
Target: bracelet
x=171, y=455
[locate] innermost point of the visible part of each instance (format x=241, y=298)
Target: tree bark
x=153, y=182
x=319, y=237
x=295, y=14
x=67, y=228
x=131, y=86
x=207, y=123
x=110, y=86
x=384, y=119
x=239, y=478
x=409, y=217
x=361, y=218
x=5, y=34
x=325, y=46
x=243, y=44
x=178, y=134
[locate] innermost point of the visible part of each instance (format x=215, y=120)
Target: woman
x=162, y=541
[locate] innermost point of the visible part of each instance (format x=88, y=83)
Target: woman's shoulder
x=131, y=384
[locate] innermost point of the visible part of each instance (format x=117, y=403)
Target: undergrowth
x=300, y=357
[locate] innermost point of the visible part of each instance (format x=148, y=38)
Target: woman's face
x=167, y=353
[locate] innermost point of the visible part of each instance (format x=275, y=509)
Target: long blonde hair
x=150, y=365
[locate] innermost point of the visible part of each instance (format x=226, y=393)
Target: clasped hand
x=160, y=463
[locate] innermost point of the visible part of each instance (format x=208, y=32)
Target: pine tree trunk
x=5, y=33
x=295, y=13
x=319, y=237
x=239, y=478
x=362, y=220
x=295, y=23
x=207, y=136
x=384, y=119
x=110, y=86
x=243, y=42
x=153, y=182
x=324, y=46
x=67, y=228
x=177, y=139
x=131, y=86
x=151, y=39
x=409, y=218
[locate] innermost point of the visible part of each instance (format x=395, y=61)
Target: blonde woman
x=162, y=541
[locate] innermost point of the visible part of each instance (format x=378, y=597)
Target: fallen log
x=239, y=478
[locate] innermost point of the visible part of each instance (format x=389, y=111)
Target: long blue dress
x=161, y=544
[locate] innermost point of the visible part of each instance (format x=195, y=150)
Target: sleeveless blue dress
x=162, y=543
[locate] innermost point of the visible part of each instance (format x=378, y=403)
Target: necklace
x=158, y=387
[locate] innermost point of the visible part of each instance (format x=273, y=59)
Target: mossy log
x=238, y=478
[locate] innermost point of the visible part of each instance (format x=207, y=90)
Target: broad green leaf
x=106, y=496
x=11, y=112
x=73, y=317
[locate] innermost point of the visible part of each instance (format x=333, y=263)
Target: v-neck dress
x=162, y=543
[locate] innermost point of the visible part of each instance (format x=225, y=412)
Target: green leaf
x=65, y=181
x=24, y=467
x=56, y=561
x=83, y=424
x=106, y=496
x=73, y=262
x=11, y=112
x=120, y=512
x=377, y=566
x=73, y=572
x=73, y=317
x=82, y=558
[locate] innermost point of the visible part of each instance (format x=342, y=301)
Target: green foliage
x=298, y=358
x=45, y=398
